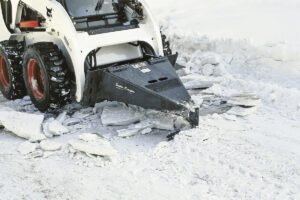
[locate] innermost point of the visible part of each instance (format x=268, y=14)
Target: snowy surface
x=248, y=148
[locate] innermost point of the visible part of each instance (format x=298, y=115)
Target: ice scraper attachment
x=151, y=84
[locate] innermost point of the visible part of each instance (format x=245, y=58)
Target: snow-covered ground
x=245, y=153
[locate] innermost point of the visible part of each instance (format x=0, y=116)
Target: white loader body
x=76, y=45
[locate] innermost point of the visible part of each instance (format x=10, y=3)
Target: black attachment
x=173, y=58
x=194, y=117
x=151, y=84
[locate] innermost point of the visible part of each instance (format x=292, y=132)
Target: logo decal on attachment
x=143, y=67
x=120, y=87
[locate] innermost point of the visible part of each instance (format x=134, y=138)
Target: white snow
x=252, y=151
x=271, y=22
x=27, y=147
x=48, y=145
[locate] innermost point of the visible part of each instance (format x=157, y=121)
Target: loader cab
x=99, y=16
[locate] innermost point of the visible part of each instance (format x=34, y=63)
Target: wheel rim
x=35, y=78
x=4, y=77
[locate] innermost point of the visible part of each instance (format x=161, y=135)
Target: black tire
x=54, y=82
x=11, y=58
x=166, y=45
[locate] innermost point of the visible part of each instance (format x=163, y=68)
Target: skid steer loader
x=92, y=50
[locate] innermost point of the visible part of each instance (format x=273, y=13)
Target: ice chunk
x=198, y=99
x=98, y=147
x=127, y=132
x=120, y=116
x=98, y=108
x=88, y=137
x=242, y=112
x=248, y=100
x=47, y=145
x=62, y=117
x=46, y=127
x=71, y=121
x=160, y=120
x=24, y=125
x=146, y=131
x=208, y=70
x=135, y=129
x=27, y=147
x=181, y=123
x=197, y=84
x=56, y=128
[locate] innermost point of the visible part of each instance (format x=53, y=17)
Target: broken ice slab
x=62, y=117
x=198, y=100
x=88, y=137
x=24, y=125
x=198, y=85
x=246, y=99
x=98, y=108
x=163, y=121
x=134, y=129
x=56, y=128
x=120, y=115
x=242, y=111
x=95, y=146
x=71, y=121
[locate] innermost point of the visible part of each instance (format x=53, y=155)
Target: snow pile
x=244, y=69
x=272, y=25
